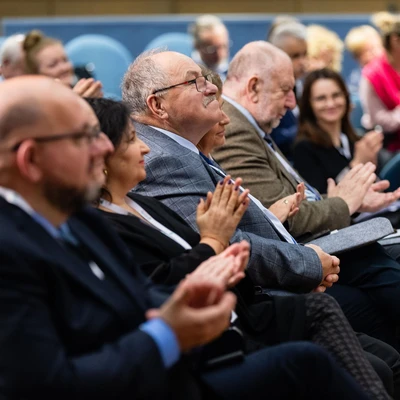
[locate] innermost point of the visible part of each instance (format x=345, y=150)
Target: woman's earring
x=105, y=172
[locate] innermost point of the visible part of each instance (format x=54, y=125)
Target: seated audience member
x=46, y=56
x=80, y=320
x=254, y=109
x=11, y=57
x=380, y=83
x=364, y=44
x=215, y=137
x=327, y=145
x=279, y=20
x=157, y=251
x=291, y=37
x=211, y=43
x=325, y=49
x=172, y=119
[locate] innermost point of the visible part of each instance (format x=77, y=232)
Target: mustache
x=207, y=100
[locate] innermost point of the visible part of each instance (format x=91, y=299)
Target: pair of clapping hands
x=220, y=213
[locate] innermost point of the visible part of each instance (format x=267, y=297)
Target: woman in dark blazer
x=327, y=145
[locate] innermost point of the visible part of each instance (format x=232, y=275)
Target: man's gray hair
x=11, y=50
x=144, y=76
x=204, y=23
x=290, y=29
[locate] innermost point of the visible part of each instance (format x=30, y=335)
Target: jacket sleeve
x=35, y=364
x=154, y=262
x=245, y=155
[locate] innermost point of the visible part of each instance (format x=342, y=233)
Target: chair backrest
x=174, y=41
x=391, y=172
x=108, y=58
x=2, y=39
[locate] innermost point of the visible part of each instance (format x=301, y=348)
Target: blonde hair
x=357, y=37
x=34, y=42
x=321, y=39
x=387, y=24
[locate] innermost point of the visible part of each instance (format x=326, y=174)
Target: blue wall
x=136, y=32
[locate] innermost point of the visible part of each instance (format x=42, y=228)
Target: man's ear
x=253, y=89
x=26, y=161
x=156, y=106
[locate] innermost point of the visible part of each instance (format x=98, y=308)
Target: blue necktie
x=277, y=226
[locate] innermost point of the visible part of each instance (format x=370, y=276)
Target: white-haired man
x=12, y=57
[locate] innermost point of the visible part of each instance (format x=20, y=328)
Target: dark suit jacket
x=65, y=333
x=268, y=322
x=316, y=163
x=160, y=257
x=179, y=177
x=247, y=155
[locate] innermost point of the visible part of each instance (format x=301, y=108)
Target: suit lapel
x=278, y=166
x=122, y=273
x=56, y=255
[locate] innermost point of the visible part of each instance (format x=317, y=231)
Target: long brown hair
x=308, y=126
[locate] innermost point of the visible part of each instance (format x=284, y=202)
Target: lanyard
x=167, y=232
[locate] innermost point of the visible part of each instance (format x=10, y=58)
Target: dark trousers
x=297, y=370
x=385, y=361
x=369, y=292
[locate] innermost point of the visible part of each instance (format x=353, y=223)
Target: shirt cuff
x=165, y=339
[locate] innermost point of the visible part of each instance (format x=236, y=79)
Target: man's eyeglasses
x=200, y=82
x=78, y=137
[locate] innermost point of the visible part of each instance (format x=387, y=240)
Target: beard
x=67, y=198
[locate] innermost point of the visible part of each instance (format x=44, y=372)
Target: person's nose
x=210, y=89
x=144, y=148
x=290, y=100
x=225, y=119
x=102, y=145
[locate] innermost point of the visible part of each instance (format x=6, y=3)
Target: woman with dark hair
x=327, y=145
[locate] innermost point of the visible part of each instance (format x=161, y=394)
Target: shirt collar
x=246, y=113
x=14, y=198
x=179, y=139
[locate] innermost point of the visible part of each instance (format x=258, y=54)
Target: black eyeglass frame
x=207, y=77
x=51, y=138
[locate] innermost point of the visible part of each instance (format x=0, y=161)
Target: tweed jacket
x=247, y=155
x=179, y=177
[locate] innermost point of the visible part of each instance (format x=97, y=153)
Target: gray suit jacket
x=247, y=155
x=179, y=177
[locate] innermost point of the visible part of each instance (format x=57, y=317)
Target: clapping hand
x=221, y=212
x=288, y=206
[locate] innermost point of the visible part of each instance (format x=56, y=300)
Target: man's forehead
x=185, y=70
